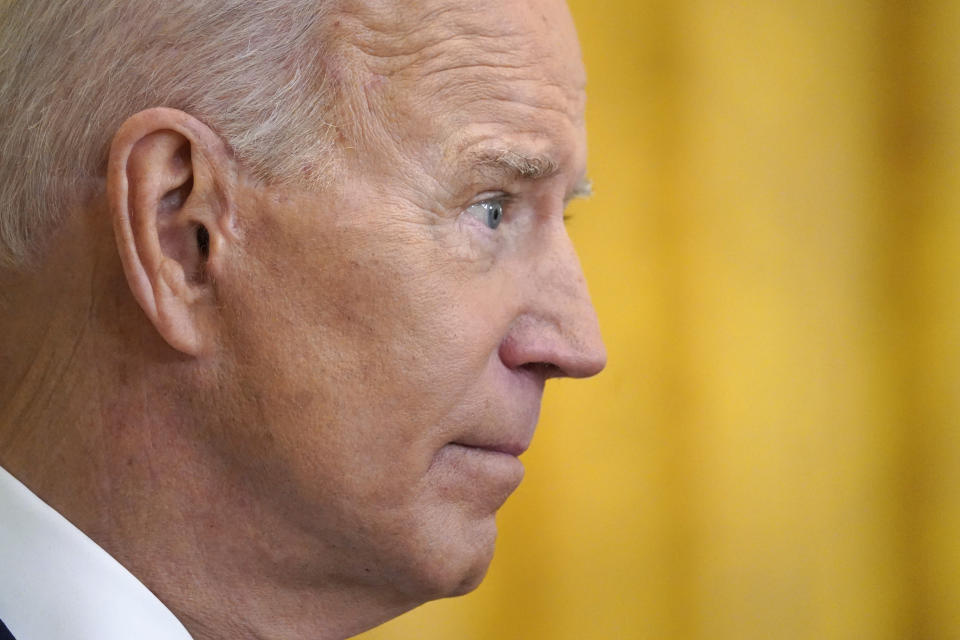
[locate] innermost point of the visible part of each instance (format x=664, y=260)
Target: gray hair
x=71, y=71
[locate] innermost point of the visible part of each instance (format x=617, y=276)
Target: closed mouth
x=510, y=449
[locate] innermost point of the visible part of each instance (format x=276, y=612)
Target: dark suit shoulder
x=5, y=633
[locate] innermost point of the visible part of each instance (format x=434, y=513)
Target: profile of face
x=386, y=339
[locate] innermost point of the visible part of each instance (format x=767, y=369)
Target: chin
x=452, y=563
x=472, y=577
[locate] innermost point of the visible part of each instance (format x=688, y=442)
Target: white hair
x=71, y=71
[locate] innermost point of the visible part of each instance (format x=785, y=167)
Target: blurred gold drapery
x=774, y=252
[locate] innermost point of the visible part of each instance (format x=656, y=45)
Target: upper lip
x=511, y=430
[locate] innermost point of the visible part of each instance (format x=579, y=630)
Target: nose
x=556, y=330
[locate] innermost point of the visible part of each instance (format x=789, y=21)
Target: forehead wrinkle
x=496, y=70
x=446, y=66
x=426, y=37
x=397, y=58
x=396, y=40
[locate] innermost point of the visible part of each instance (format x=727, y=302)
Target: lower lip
x=480, y=464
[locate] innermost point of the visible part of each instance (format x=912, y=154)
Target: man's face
x=391, y=335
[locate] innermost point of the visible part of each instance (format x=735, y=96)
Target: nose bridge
x=562, y=303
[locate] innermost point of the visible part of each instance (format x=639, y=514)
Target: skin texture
x=307, y=427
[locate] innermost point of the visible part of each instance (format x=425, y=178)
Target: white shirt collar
x=57, y=584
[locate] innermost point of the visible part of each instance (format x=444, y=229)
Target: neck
x=45, y=321
x=103, y=421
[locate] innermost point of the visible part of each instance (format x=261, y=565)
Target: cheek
x=356, y=355
x=364, y=347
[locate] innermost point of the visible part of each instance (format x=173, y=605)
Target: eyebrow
x=525, y=166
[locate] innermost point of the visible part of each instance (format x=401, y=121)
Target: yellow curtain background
x=774, y=252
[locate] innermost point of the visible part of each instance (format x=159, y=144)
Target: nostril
x=544, y=370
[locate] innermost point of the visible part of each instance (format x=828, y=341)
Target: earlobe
x=168, y=187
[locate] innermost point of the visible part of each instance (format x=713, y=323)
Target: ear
x=170, y=186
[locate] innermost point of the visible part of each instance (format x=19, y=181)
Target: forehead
x=465, y=70
x=411, y=34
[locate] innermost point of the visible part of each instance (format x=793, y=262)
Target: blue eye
x=489, y=212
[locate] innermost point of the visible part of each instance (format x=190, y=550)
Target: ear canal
x=203, y=250
x=203, y=242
